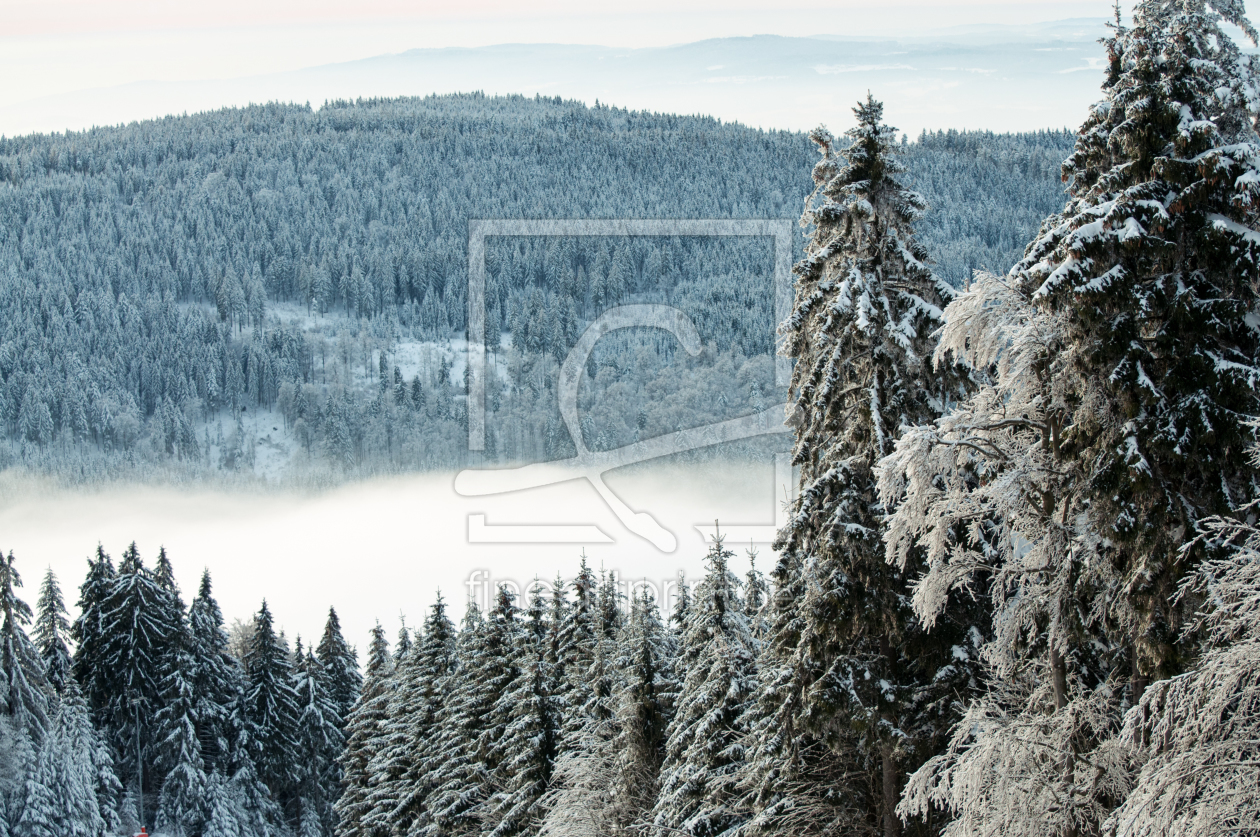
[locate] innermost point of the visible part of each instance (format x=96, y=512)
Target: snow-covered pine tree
x=589, y=697
x=61, y=798
x=137, y=627
x=23, y=687
x=611, y=600
x=989, y=502
x=704, y=749
x=556, y=618
x=861, y=332
x=526, y=751
x=95, y=678
x=393, y=755
x=217, y=681
x=177, y=751
x=403, y=645
x=499, y=671
x=643, y=707
x=17, y=759
x=756, y=597
x=576, y=645
x=682, y=605
x=1153, y=266
x=1124, y=371
x=414, y=731
x=52, y=626
x=460, y=780
x=222, y=812
x=364, y=736
x=319, y=743
x=272, y=710
x=341, y=664
x=1193, y=737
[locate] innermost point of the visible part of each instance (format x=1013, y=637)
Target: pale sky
x=25, y=18
x=51, y=47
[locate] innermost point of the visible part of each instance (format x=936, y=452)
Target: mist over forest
x=1012, y=584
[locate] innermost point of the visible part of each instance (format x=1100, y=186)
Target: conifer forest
x=1018, y=589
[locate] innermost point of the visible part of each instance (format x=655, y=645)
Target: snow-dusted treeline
x=1018, y=592
x=161, y=277
x=575, y=712
x=159, y=718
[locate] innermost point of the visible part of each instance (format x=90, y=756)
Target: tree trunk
x=1138, y=680
x=1058, y=678
x=892, y=825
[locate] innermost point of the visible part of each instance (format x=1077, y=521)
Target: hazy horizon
x=80, y=68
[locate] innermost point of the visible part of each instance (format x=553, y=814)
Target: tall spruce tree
x=575, y=641
x=22, y=684
x=364, y=737
x=1121, y=366
x=472, y=722
x=527, y=750
x=1153, y=265
x=217, y=681
x=140, y=635
x=411, y=757
x=52, y=626
x=861, y=333
x=62, y=797
x=320, y=741
x=272, y=710
x=341, y=664
x=177, y=752
x=704, y=750
x=643, y=705
x=88, y=631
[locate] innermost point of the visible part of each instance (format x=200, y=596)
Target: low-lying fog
x=379, y=549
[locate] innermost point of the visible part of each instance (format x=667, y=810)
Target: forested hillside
x=1017, y=593
x=281, y=292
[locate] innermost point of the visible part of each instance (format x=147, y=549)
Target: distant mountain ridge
x=1003, y=78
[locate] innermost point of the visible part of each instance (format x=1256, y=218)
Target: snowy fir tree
x=178, y=751
x=1152, y=265
x=319, y=743
x=363, y=737
x=1193, y=737
x=459, y=780
x=88, y=633
x=217, y=682
x=528, y=744
x=22, y=683
x=341, y=666
x=272, y=710
x=704, y=747
x=403, y=770
x=861, y=332
x=643, y=706
x=1118, y=376
x=52, y=627
x=140, y=630
x=61, y=794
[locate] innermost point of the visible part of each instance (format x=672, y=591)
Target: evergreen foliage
x=272, y=709
x=22, y=683
x=52, y=626
x=704, y=747
x=152, y=295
